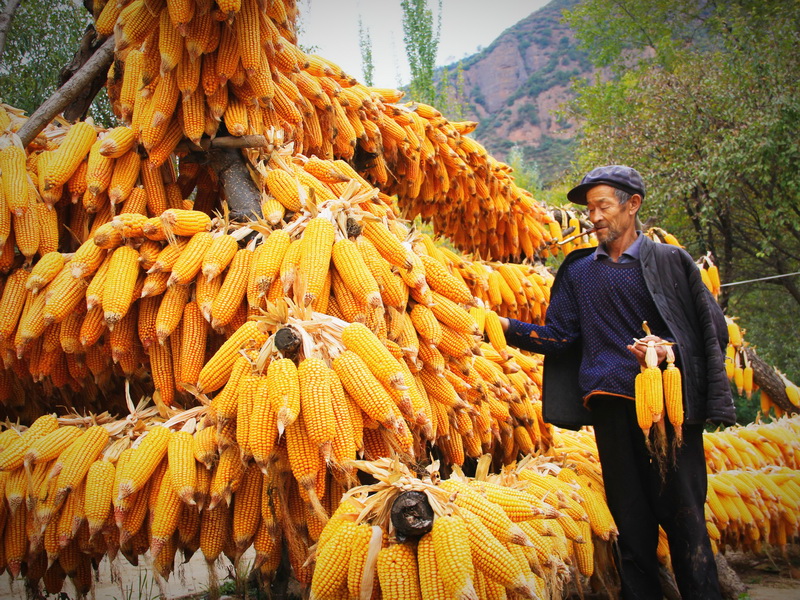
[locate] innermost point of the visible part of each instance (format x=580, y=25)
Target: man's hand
x=638, y=349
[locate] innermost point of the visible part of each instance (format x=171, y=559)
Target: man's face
x=611, y=220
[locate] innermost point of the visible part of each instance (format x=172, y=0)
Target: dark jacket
x=695, y=322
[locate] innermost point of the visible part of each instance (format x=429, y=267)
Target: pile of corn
x=182, y=72
x=523, y=533
x=754, y=482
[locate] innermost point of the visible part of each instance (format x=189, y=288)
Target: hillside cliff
x=513, y=87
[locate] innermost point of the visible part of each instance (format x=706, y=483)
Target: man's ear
x=635, y=203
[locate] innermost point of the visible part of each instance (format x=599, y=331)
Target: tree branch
x=765, y=377
x=244, y=141
x=68, y=92
x=6, y=17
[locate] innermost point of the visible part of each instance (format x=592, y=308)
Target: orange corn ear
x=233, y=289
x=190, y=261
x=194, y=343
x=267, y=266
x=63, y=296
x=27, y=231
x=98, y=171
x=43, y=272
x=284, y=187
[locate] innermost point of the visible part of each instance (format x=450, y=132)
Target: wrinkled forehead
x=601, y=193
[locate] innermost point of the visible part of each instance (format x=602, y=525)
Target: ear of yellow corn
x=142, y=462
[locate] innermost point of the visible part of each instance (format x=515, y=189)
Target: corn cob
x=141, y=464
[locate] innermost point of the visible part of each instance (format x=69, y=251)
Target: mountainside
x=512, y=88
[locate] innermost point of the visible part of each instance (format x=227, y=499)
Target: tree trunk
x=765, y=377
x=730, y=585
x=6, y=17
x=244, y=198
x=68, y=92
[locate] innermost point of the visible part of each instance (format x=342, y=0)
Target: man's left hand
x=638, y=349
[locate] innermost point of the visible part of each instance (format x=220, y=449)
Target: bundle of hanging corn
x=184, y=69
x=525, y=533
x=175, y=289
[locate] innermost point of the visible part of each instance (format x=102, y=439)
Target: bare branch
x=244, y=141
x=6, y=17
x=67, y=93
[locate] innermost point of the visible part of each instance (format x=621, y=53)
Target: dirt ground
x=766, y=577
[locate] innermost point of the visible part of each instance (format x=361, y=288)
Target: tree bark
x=68, y=92
x=228, y=141
x=765, y=377
x=6, y=17
x=730, y=585
x=244, y=198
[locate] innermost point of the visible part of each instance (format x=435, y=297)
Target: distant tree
x=421, y=40
x=365, y=43
x=41, y=42
x=704, y=99
x=450, y=93
x=526, y=172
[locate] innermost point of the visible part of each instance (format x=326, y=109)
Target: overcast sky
x=332, y=26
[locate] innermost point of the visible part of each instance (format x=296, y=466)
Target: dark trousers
x=640, y=501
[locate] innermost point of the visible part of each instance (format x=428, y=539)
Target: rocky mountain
x=514, y=86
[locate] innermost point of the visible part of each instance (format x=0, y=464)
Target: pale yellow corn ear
x=219, y=255
x=673, y=393
x=13, y=455
x=15, y=179
x=50, y=446
x=218, y=369
x=123, y=272
x=183, y=474
x=70, y=153
x=315, y=257
x=143, y=461
x=76, y=460
x=398, y=572
x=284, y=391
x=316, y=402
x=99, y=488
x=453, y=561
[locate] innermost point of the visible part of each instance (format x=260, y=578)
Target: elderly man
x=600, y=297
